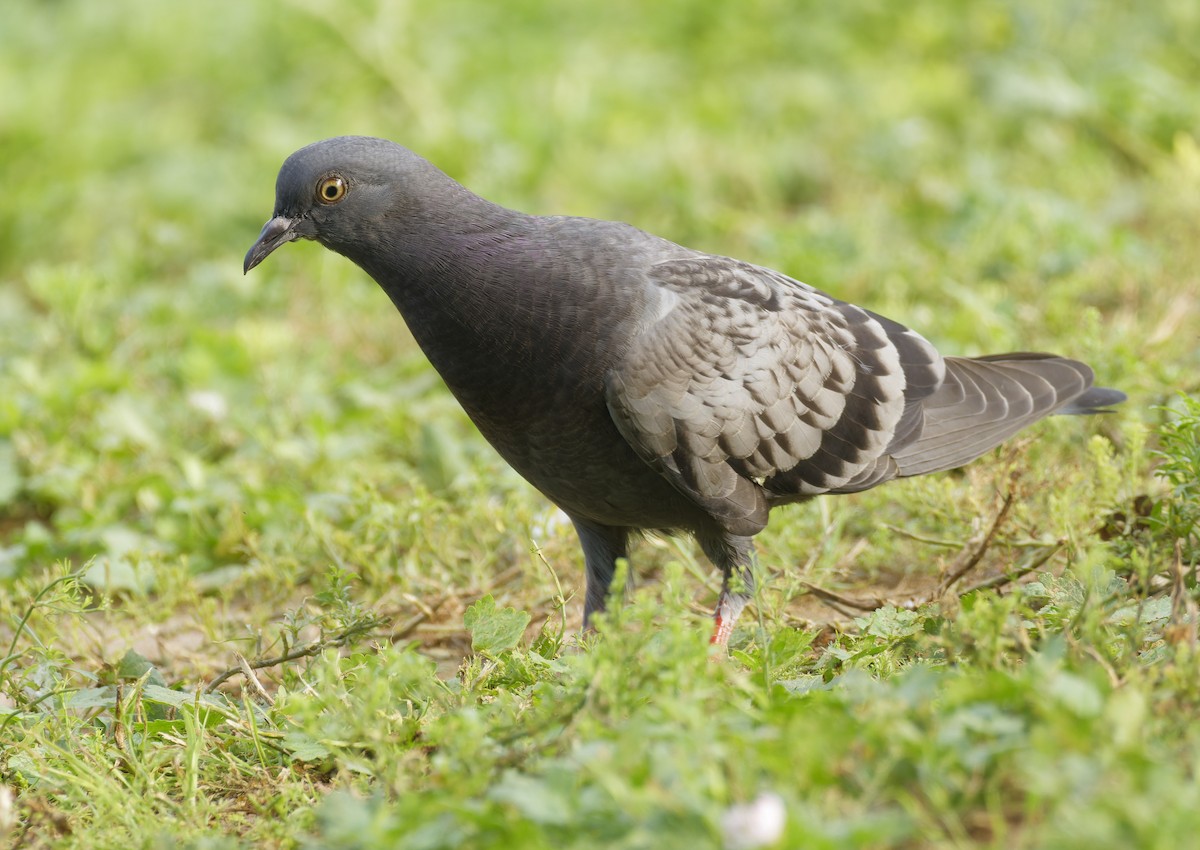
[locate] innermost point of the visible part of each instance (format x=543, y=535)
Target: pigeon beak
x=278, y=231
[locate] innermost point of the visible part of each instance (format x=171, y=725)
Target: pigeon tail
x=984, y=401
x=1095, y=400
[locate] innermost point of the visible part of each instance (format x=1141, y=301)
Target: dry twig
x=1182, y=626
x=246, y=670
x=970, y=558
x=972, y=553
x=306, y=650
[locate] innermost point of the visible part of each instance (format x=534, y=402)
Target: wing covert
x=750, y=388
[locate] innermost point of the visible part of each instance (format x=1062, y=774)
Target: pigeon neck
x=476, y=295
x=452, y=265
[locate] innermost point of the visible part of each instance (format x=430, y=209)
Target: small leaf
x=212, y=709
x=304, y=748
x=890, y=622
x=86, y=698
x=166, y=696
x=153, y=728
x=134, y=665
x=494, y=630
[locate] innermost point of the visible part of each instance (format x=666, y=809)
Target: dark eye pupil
x=331, y=190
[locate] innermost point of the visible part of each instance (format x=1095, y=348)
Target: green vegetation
x=200, y=470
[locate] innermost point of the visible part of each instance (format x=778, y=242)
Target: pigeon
x=645, y=387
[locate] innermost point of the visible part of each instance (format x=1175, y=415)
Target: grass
x=264, y=585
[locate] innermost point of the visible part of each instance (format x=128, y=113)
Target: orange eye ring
x=331, y=189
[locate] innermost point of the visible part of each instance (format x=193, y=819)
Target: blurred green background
x=997, y=175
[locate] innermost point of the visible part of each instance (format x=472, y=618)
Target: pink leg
x=734, y=556
x=729, y=608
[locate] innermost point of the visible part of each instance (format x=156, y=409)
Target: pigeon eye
x=331, y=189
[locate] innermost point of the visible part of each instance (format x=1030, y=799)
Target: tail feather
x=984, y=401
x=1095, y=400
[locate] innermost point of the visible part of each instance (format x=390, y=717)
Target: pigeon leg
x=602, y=546
x=735, y=557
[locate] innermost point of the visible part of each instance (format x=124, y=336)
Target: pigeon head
x=353, y=194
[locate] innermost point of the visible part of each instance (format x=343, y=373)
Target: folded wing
x=750, y=388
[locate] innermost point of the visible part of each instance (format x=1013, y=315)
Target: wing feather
x=751, y=388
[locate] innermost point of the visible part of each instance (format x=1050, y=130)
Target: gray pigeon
x=644, y=386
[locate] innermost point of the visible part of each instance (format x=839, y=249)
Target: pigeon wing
x=746, y=389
